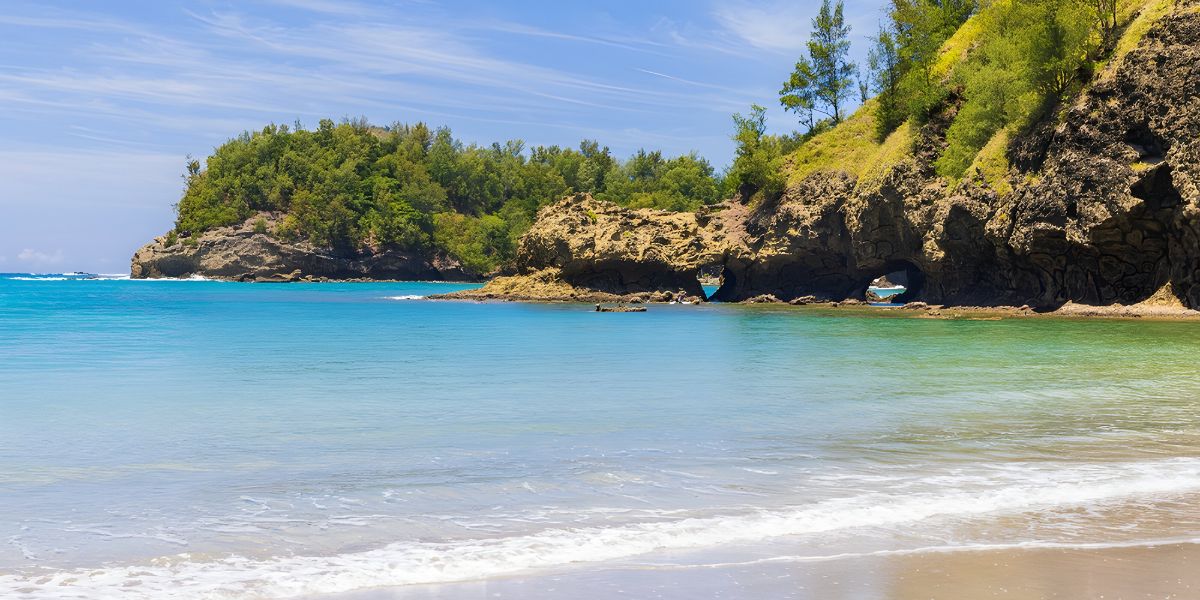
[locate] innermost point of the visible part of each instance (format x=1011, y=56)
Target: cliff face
x=1102, y=208
x=239, y=253
x=602, y=247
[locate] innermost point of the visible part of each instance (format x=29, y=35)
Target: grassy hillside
x=997, y=64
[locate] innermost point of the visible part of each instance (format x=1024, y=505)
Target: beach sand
x=1153, y=572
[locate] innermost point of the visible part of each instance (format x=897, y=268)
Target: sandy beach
x=1117, y=573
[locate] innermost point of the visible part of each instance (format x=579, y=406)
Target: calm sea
x=199, y=439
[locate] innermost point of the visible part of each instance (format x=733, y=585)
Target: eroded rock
x=243, y=254
x=1104, y=209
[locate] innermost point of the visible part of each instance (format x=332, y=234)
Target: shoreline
x=1149, y=570
x=916, y=310
x=1156, y=308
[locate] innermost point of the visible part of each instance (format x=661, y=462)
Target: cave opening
x=727, y=289
x=710, y=277
x=896, y=283
x=632, y=277
x=1157, y=188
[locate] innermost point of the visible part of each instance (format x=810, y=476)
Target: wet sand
x=1126, y=573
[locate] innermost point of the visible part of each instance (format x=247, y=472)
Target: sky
x=101, y=102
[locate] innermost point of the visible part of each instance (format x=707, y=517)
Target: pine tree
x=829, y=50
x=824, y=80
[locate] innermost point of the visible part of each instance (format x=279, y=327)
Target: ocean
x=204, y=439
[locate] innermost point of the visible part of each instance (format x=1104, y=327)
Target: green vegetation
x=893, y=150
x=758, y=167
x=1141, y=15
x=992, y=163
x=1029, y=55
x=354, y=186
x=823, y=80
x=907, y=61
x=847, y=147
x=987, y=68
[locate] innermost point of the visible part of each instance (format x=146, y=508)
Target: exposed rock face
x=238, y=253
x=1104, y=209
x=604, y=248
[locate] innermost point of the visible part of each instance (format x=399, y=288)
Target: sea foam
x=1018, y=488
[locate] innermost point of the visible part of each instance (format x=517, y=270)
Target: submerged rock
x=620, y=308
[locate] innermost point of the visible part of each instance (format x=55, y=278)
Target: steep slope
x=1100, y=208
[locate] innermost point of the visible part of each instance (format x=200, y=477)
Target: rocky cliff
x=1100, y=207
x=247, y=253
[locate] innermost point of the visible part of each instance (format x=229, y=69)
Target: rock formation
x=1100, y=208
x=245, y=253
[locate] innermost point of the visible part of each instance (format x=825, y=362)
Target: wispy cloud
x=687, y=81
x=625, y=43
x=773, y=26
x=116, y=94
x=237, y=63
x=37, y=258
x=330, y=7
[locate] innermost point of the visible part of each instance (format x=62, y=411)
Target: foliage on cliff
x=352, y=185
x=988, y=68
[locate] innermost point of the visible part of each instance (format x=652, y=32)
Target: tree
x=757, y=167
x=823, y=80
x=358, y=188
x=1106, y=11
x=596, y=165
x=799, y=93
x=919, y=28
x=885, y=72
x=1030, y=53
x=829, y=49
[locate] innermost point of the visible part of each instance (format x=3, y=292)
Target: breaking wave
x=1019, y=488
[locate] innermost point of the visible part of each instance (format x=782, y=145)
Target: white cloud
x=775, y=26
x=330, y=7
x=248, y=65
x=40, y=259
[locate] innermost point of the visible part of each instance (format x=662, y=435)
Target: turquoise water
x=206, y=439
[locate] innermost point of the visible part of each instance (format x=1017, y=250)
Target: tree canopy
x=355, y=186
x=823, y=81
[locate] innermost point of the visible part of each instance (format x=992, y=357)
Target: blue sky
x=102, y=101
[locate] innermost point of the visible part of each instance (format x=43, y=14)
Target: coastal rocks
x=763, y=299
x=620, y=308
x=1101, y=207
x=804, y=301
x=246, y=253
x=602, y=247
x=583, y=249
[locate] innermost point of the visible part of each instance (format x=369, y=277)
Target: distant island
x=1039, y=154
